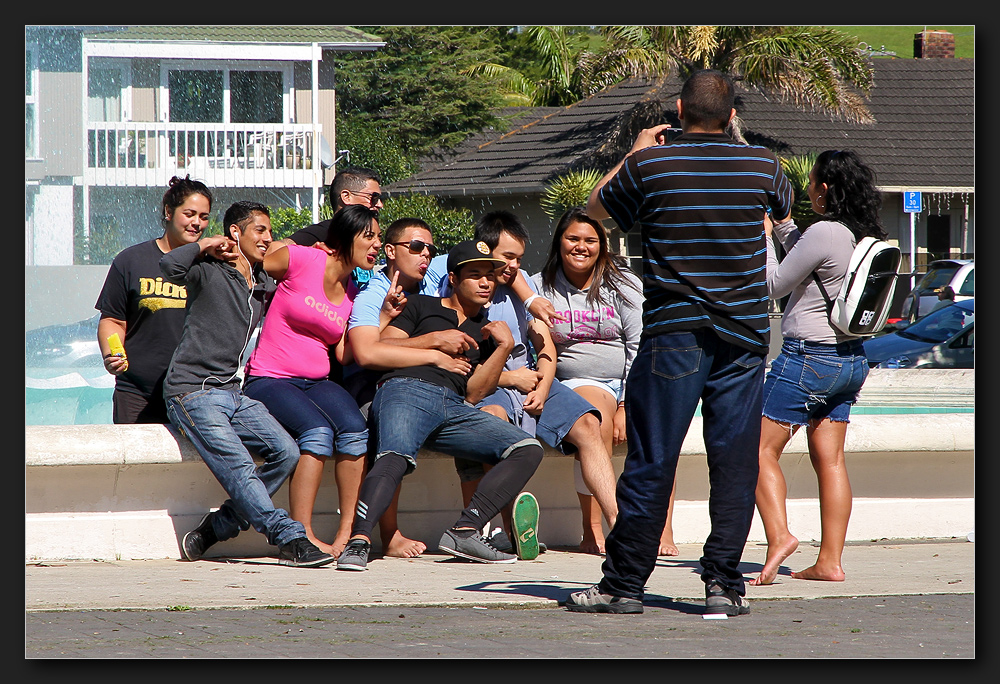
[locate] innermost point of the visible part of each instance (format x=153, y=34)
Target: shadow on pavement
x=559, y=592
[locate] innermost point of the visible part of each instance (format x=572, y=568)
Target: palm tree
x=810, y=66
x=559, y=53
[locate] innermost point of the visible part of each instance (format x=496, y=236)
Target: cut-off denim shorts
x=810, y=381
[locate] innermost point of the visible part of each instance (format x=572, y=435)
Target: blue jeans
x=320, y=414
x=224, y=427
x=671, y=372
x=408, y=414
x=812, y=381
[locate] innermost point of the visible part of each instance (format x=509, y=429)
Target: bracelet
x=529, y=300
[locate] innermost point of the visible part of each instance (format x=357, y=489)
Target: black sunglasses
x=373, y=197
x=418, y=246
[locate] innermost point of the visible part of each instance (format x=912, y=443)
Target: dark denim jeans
x=671, y=372
x=225, y=427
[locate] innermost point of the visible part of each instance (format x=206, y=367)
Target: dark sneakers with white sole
x=719, y=601
x=594, y=601
x=302, y=553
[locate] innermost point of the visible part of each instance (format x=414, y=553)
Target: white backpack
x=865, y=298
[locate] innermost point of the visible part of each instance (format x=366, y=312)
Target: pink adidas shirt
x=301, y=323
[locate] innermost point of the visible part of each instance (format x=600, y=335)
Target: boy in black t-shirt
x=432, y=406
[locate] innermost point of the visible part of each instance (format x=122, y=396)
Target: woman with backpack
x=819, y=372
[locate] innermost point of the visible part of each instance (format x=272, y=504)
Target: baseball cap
x=468, y=251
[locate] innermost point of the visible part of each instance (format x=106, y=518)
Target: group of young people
x=368, y=366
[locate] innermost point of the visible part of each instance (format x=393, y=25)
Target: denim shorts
x=809, y=381
x=563, y=407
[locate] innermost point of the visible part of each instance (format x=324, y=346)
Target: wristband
x=529, y=300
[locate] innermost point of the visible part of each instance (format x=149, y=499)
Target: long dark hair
x=852, y=197
x=347, y=224
x=609, y=271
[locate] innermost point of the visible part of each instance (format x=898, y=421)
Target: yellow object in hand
x=115, y=343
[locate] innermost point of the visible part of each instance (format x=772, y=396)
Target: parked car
x=942, y=339
x=63, y=346
x=960, y=274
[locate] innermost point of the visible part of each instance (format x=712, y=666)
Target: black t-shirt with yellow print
x=153, y=310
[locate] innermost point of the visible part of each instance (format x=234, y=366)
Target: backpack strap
x=826, y=297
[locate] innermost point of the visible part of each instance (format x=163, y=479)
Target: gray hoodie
x=599, y=343
x=222, y=313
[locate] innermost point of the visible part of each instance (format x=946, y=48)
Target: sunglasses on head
x=418, y=246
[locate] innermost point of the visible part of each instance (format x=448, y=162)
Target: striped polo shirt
x=699, y=204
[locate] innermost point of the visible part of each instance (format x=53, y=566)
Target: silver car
x=960, y=274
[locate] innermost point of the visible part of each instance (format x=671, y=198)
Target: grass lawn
x=899, y=39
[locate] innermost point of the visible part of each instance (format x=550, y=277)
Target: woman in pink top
x=289, y=370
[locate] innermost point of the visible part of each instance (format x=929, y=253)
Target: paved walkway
x=901, y=599
x=876, y=569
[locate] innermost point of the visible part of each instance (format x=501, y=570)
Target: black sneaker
x=500, y=540
x=196, y=542
x=474, y=547
x=593, y=601
x=354, y=556
x=302, y=553
x=719, y=601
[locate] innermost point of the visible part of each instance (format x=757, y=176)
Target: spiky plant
x=571, y=189
x=796, y=170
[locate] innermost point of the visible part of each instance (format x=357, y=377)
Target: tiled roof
x=924, y=135
x=254, y=33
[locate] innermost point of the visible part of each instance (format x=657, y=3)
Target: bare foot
x=668, y=548
x=814, y=572
x=590, y=544
x=776, y=555
x=403, y=547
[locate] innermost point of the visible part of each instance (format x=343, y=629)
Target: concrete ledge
x=131, y=491
x=124, y=445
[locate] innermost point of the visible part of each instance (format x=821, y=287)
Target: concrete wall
x=132, y=491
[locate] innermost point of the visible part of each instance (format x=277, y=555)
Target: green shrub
x=448, y=226
x=287, y=220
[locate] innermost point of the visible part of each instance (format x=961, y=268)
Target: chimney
x=933, y=44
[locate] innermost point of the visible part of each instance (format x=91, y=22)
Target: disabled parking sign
x=912, y=200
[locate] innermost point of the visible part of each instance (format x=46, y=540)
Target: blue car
x=944, y=338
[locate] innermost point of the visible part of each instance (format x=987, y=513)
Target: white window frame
x=287, y=82
x=125, y=66
x=31, y=49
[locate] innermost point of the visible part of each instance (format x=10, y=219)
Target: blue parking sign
x=912, y=201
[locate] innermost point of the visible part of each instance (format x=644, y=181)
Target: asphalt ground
x=901, y=599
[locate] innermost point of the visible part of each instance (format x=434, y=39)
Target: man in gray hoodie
x=227, y=292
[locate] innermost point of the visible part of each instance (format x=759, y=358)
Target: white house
x=112, y=112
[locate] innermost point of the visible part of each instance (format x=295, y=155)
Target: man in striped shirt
x=699, y=205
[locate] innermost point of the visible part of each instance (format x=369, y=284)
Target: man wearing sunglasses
x=353, y=185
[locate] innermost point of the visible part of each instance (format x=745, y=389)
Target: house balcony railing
x=142, y=154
